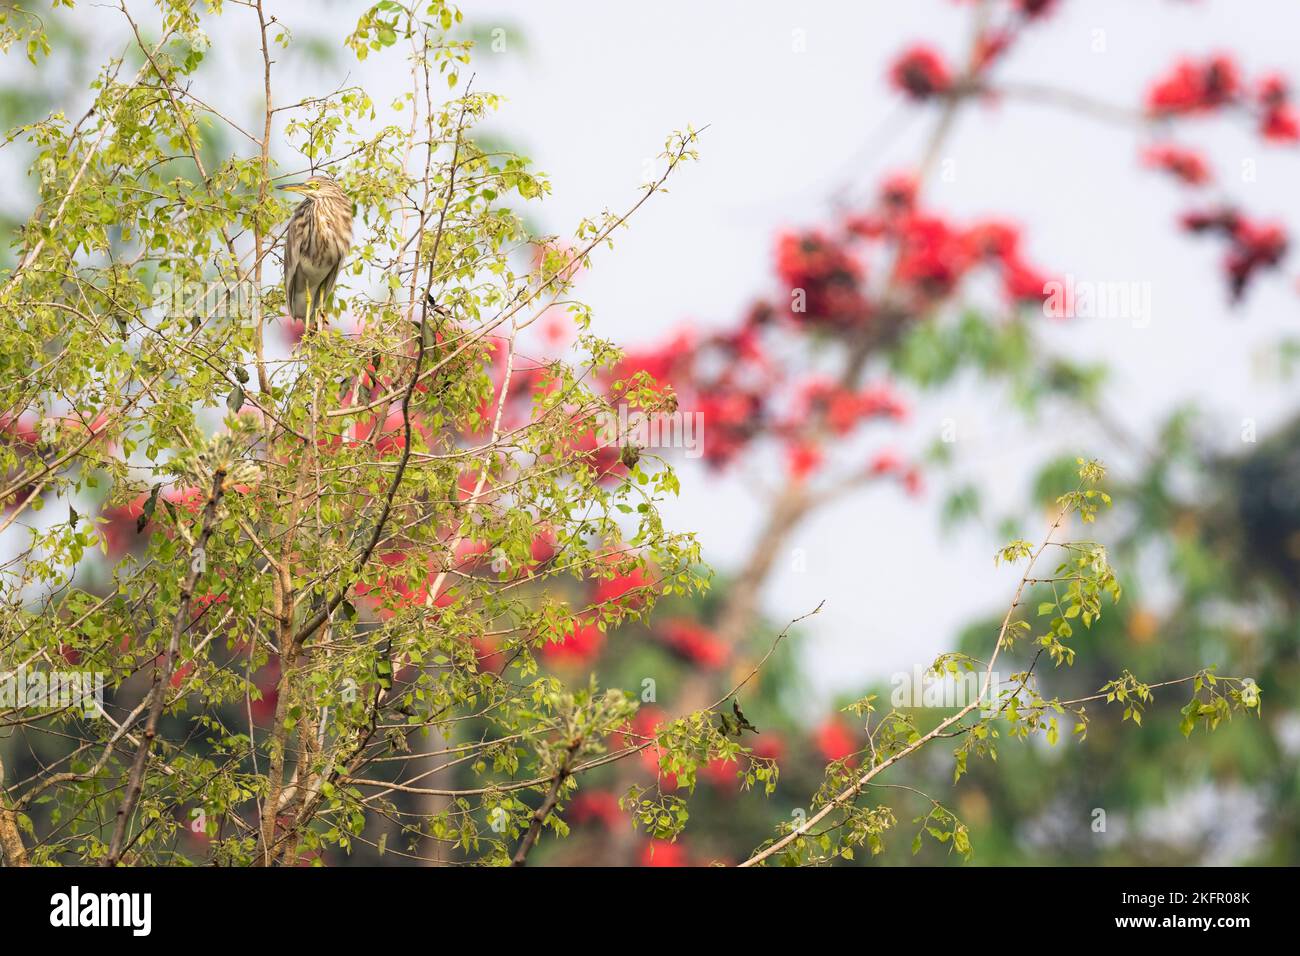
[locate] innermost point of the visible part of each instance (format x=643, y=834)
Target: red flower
x=595, y=806
x=1255, y=246
x=770, y=745
x=1022, y=282
x=579, y=644
x=932, y=256
x=390, y=437
x=469, y=554
x=843, y=410
x=1272, y=89
x=1035, y=8
x=643, y=725
x=1195, y=87
x=695, y=643
x=992, y=239
x=733, y=416
x=1185, y=164
x=882, y=400
x=556, y=328
x=616, y=587
x=1216, y=220
x=543, y=547
x=24, y=429
x=1251, y=245
x=885, y=463
x=294, y=330
x=660, y=364
x=1279, y=122
x=898, y=192
x=920, y=72
x=1221, y=79
x=202, y=602
x=721, y=773
x=640, y=733
x=810, y=255
x=834, y=740
x=802, y=459
x=489, y=656
x=1281, y=125
x=663, y=853
x=191, y=499
x=826, y=275
x=181, y=672
x=383, y=593
x=267, y=681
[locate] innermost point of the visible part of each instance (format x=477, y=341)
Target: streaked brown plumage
x=315, y=244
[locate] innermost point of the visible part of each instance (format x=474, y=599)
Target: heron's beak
x=294, y=187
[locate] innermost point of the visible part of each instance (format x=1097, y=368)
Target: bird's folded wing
x=293, y=280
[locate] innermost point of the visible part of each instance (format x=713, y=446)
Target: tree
x=299, y=601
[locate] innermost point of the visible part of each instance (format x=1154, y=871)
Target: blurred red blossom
x=663, y=853
x=1281, y=124
x=742, y=380
x=885, y=463
x=921, y=72
x=618, y=587
x=1195, y=86
x=595, y=806
x=845, y=408
x=770, y=746
x=1279, y=119
x=579, y=644
x=1035, y=8
x=695, y=643
x=22, y=429
x=802, y=459
x=489, y=655
x=1185, y=164
x=1201, y=86
x=392, y=592
x=1252, y=245
x=823, y=277
x=834, y=739
x=932, y=256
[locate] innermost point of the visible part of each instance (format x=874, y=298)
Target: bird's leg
x=323, y=310
x=318, y=309
x=308, y=320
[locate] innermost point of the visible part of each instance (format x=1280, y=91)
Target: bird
x=316, y=241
